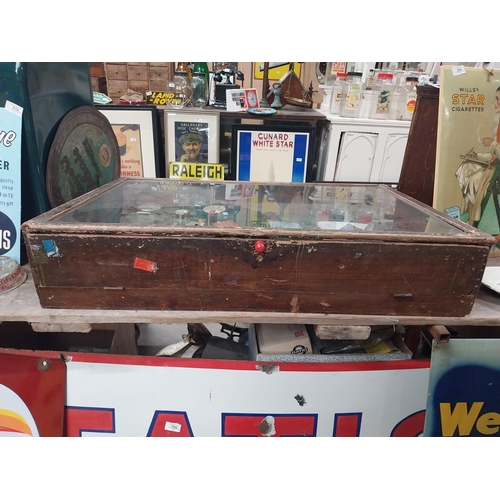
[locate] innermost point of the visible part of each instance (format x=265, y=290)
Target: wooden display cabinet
x=156, y=244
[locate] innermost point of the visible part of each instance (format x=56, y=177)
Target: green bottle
x=202, y=67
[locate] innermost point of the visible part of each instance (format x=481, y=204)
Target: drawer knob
x=260, y=246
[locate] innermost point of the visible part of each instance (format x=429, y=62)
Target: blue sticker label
x=50, y=248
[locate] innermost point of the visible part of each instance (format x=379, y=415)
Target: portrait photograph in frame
x=191, y=137
x=265, y=153
x=136, y=130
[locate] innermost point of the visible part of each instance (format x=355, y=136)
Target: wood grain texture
x=22, y=304
x=419, y=161
x=227, y=274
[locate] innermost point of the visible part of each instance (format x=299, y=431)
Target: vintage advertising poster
x=463, y=396
x=467, y=184
x=10, y=181
x=129, y=144
x=136, y=132
x=191, y=137
x=191, y=141
x=271, y=155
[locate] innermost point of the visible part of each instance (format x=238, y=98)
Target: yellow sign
x=161, y=98
x=205, y=171
x=276, y=70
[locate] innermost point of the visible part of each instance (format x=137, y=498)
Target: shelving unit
x=365, y=150
x=290, y=115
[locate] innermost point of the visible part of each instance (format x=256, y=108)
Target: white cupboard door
x=392, y=161
x=355, y=158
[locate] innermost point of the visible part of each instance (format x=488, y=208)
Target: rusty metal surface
x=84, y=156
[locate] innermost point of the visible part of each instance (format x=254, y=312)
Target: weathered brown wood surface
x=419, y=162
x=289, y=112
x=22, y=304
x=207, y=274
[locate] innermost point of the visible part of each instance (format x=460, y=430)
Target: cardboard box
x=283, y=339
x=109, y=338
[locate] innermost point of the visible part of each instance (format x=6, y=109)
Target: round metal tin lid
x=84, y=155
x=11, y=274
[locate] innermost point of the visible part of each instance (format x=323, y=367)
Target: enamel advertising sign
x=10, y=181
x=464, y=400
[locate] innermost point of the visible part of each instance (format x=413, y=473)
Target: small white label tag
x=171, y=426
x=13, y=108
x=458, y=70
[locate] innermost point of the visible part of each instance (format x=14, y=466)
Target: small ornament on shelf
x=277, y=96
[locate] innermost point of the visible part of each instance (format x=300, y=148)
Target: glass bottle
x=370, y=80
x=181, y=88
x=337, y=93
x=330, y=76
x=184, y=66
x=174, y=98
x=350, y=100
x=199, y=85
x=383, y=91
x=201, y=67
x=408, y=99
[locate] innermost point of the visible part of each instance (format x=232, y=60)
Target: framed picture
x=191, y=137
x=136, y=130
x=265, y=153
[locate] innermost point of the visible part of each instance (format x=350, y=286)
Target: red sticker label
x=145, y=265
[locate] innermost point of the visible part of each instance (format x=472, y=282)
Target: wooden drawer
x=141, y=86
x=160, y=73
x=116, y=71
x=117, y=88
x=136, y=72
x=138, y=76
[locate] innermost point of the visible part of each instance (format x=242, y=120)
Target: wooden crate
x=138, y=76
x=124, y=246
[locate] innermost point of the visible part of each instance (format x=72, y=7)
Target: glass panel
x=290, y=207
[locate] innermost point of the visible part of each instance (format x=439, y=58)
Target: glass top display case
x=298, y=247
x=289, y=208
